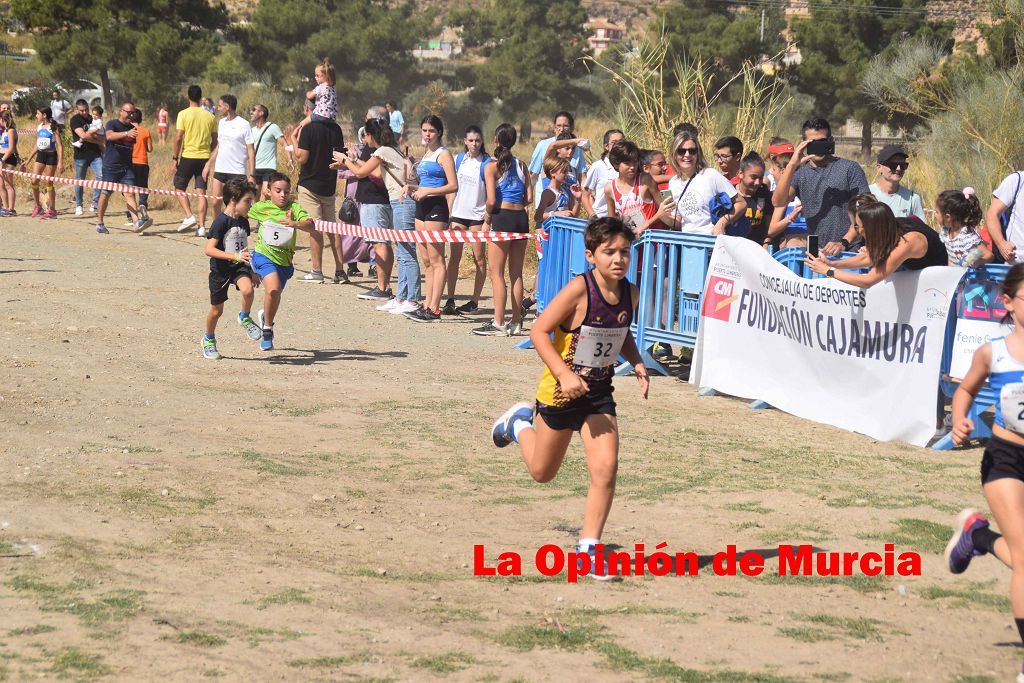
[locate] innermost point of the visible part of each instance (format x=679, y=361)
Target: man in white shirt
x=1007, y=196
x=59, y=108
x=598, y=177
x=234, y=156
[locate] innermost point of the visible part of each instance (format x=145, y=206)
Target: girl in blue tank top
x=437, y=182
x=508, y=193
x=48, y=157
x=9, y=159
x=1001, y=364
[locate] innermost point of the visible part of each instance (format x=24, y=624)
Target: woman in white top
x=694, y=186
x=468, y=214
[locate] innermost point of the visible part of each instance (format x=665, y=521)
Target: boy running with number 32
x=590, y=319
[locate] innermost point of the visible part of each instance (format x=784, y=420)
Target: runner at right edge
x=590, y=319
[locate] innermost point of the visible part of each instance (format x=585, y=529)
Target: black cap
x=889, y=151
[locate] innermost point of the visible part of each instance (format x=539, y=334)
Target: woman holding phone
x=889, y=243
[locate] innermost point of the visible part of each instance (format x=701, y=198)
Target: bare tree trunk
x=105, y=85
x=865, y=136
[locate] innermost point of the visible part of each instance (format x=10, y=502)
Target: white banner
x=970, y=334
x=866, y=360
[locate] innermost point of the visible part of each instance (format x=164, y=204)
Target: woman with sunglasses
x=889, y=244
x=695, y=185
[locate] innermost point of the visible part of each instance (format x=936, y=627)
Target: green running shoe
x=210, y=351
x=251, y=328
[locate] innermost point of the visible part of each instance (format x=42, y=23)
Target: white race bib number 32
x=275, y=234
x=1011, y=403
x=598, y=347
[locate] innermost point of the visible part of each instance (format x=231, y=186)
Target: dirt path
x=310, y=514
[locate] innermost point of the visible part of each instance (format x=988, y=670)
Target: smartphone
x=820, y=148
x=812, y=245
x=666, y=194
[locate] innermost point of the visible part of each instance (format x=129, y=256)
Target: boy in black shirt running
x=227, y=247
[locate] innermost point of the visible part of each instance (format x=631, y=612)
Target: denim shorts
x=375, y=216
x=264, y=267
x=118, y=174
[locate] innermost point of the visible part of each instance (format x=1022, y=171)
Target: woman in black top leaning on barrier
x=888, y=244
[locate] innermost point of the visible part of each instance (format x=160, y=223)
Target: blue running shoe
x=102, y=229
x=960, y=549
x=267, y=343
x=501, y=432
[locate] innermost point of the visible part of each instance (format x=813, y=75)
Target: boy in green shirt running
x=278, y=218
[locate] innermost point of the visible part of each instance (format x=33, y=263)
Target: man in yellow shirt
x=195, y=140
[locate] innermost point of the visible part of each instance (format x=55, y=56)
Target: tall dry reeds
x=656, y=92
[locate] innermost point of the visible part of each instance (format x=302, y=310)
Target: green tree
x=838, y=41
x=152, y=45
x=369, y=42
x=533, y=51
x=728, y=34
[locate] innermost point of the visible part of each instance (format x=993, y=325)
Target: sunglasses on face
x=897, y=165
x=683, y=151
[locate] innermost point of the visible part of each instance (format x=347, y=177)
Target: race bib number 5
x=1011, y=403
x=275, y=234
x=598, y=347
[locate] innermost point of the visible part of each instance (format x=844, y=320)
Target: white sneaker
x=78, y=211
x=187, y=223
x=389, y=305
x=404, y=307
x=201, y=231
x=92, y=208
x=259, y=318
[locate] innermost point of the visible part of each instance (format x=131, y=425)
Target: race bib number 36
x=275, y=234
x=598, y=347
x=1011, y=404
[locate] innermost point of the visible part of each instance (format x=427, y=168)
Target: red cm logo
x=719, y=297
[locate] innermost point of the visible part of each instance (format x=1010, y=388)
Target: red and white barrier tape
x=377, y=234
x=417, y=236
x=104, y=185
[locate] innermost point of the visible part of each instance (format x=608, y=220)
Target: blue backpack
x=462, y=155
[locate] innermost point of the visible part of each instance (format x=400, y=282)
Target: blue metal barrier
x=989, y=274
x=672, y=274
x=564, y=257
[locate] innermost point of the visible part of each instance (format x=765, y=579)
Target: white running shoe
x=404, y=307
x=187, y=224
x=78, y=211
x=389, y=305
x=259, y=318
x=201, y=231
